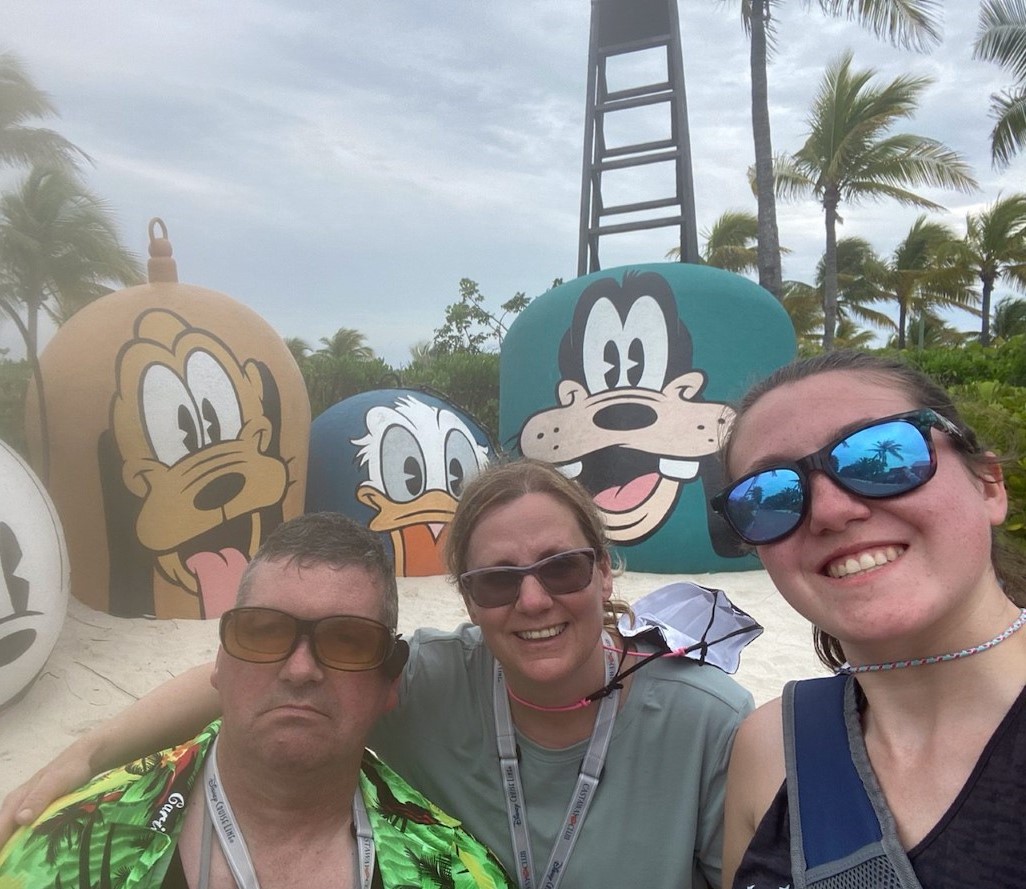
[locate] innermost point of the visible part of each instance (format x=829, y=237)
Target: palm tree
x=849, y=156
x=850, y=336
x=730, y=243
x=59, y=250
x=932, y=332
x=859, y=273
x=423, y=353
x=885, y=448
x=995, y=247
x=1001, y=38
x=906, y=23
x=859, y=270
x=1009, y=318
x=804, y=305
x=22, y=101
x=346, y=343
x=920, y=276
x=298, y=348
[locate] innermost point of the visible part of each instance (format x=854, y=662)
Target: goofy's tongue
x=624, y=498
x=218, y=575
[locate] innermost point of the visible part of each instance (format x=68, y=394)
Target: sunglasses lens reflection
x=767, y=505
x=883, y=460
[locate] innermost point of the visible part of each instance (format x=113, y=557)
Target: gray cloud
x=345, y=163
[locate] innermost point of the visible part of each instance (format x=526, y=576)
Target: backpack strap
x=833, y=822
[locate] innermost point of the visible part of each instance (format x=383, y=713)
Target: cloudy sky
x=345, y=163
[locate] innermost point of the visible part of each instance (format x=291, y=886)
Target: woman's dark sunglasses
x=884, y=458
x=562, y=573
x=341, y=642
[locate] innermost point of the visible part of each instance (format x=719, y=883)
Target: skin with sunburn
x=891, y=579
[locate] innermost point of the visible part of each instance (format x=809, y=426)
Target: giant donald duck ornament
x=176, y=436
x=33, y=576
x=623, y=379
x=396, y=460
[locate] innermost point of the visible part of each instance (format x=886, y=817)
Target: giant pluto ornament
x=396, y=460
x=175, y=434
x=623, y=379
x=33, y=576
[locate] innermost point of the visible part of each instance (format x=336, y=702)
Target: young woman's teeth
x=864, y=561
x=546, y=633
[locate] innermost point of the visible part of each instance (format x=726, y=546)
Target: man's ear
x=214, y=678
x=392, y=701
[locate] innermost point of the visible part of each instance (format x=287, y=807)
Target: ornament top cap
x=161, y=266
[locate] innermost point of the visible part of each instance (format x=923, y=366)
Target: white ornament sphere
x=34, y=575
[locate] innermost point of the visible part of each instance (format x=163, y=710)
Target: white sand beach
x=100, y=663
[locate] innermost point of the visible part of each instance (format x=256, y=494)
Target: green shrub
x=470, y=380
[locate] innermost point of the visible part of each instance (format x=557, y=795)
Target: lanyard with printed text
x=584, y=792
x=218, y=812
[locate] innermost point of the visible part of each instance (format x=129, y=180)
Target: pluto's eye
x=169, y=418
x=212, y=389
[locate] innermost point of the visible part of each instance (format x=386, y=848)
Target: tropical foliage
x=59, y=250
x=1009, y=319
x=22, y=103
x=1002, y=38
x=470, y=327
x=994, y=248
x=921, y=277
x=850, y=155
x=346, y=343
x=908, y=23
x=730, y=243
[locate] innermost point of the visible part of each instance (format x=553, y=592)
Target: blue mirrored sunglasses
x=885, y=458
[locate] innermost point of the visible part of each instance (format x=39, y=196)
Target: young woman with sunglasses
x=521, y=723
x=873, y=507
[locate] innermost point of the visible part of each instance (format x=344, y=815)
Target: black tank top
x=979, y=841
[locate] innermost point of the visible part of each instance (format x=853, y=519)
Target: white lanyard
x=222, y=824
x=584, y=792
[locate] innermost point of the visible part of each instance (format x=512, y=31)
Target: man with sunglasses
x=281, y=791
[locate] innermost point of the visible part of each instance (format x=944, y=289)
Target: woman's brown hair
x=502, y=483
x=1009, y=563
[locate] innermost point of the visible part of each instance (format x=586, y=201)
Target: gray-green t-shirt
x=656, y=819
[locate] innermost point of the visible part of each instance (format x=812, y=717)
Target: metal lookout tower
x=619, y=28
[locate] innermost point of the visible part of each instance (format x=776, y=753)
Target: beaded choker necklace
x=848, y=670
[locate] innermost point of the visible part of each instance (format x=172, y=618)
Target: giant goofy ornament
x=176, y=431
x=396, y=460
x=623, y=379
x=33, y=576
